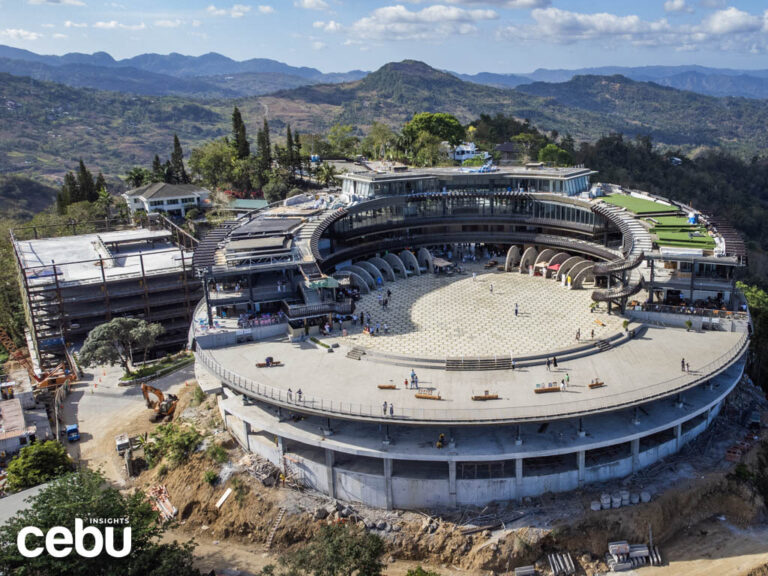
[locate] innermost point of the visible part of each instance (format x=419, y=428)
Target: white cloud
x=436, y=22
x=311, y=4
x=168, y=23
x=730, y=29
x=57, y=2
x=60, y=36
x=48, y=25
x=70, y=24
x=114, y=24
x=237, y=11
x=677, y=6
x=19, y=34
x=330, y=26
x=713, y=3
x=731, y=21
x=264, y=9
x=318, y=45
x=514, y=4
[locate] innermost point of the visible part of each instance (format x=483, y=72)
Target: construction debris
x=223, y=499
x=161, y=502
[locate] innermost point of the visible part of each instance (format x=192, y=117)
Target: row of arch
x=366, y=274
x=578, y=268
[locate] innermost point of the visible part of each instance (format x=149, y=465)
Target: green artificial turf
x=638, y=205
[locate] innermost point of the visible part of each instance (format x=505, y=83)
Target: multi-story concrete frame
x=339, y=436
x=101, y=270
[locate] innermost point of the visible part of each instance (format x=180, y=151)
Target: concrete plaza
x=439, y=316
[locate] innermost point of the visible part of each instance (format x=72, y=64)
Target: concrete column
x=519, y=479
x=452, y=483
x=581, y=457
x=247, y=435
x=281, y=451
x=329, y=458
x=678, y=436
x=388, y=482
x=635, y=454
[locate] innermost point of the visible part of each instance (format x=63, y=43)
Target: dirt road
x=713, y=547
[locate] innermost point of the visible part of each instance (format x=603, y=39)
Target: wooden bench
x=544, y=388
x=427, y=396
x=387, y=387
x=485, y=396
x=596, y=384
x=264, y=364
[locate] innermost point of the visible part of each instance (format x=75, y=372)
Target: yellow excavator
x=49, y=380
x=163, y=407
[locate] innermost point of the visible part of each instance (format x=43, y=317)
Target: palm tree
x=326, y=174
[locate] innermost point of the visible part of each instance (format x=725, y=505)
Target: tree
x=158, y=170
x=113, y=342
x=38, y=463
x=426, y=149
x=444, y=126
x=553, y=154
x=137, y=176
x=380, y=137
x=239, y=137
x=338, y=550
x=83, y=495
x=213, y=163
x=326, y=174
x=277, y=187
x=264, y=164
x=179, y=173
x=86, y=184
x=342, y=139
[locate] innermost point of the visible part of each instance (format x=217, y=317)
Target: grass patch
x=682, y=238
x=216, y=453
x=172, y=442
x=169, y=363
x=638, y=205
x=210, y=477
x=669, y=222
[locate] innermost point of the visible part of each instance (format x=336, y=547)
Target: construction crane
x=49, y=380
x=163, y=407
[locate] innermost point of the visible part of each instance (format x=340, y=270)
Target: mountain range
x=45, y=127
x=215, y=76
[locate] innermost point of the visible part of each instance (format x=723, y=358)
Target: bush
x=198, y=396
x=210, y=477
x=162, y=471
x=216, y=453
x=419, y=571
x=172, y=442
x=240, y=489
x=38, y=463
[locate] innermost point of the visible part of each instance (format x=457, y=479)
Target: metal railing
x=517, y=413
x=303, y=310
x=691, y=311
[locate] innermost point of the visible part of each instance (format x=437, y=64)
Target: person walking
x=515, y=309
x=567, y=378
x=405, y=384
x=474, y=276
x=299, y=393
x=384, y=407
x=592, y=335
x=391, y=410
x=682, y=364
x=687, y=367
x=549, y=362
x=389, y=293
x=491, y=287
x=554, y=361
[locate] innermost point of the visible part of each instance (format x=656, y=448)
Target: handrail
x=619, y=265
x=518, y=413
x=301, y=310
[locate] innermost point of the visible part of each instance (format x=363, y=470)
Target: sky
x=467, y=36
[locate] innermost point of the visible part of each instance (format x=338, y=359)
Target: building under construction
x=76, y=276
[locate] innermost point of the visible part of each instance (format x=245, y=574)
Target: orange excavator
x=49, y=380
x=163, y=406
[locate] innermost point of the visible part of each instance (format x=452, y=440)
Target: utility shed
x=14, y=432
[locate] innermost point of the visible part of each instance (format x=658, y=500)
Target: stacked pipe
x=561, y=564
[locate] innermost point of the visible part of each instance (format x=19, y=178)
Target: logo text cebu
x=60, y=540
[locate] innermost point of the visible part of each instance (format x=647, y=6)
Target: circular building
x=443, y=338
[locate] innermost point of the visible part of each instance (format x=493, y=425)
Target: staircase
x=356, y=353
x=205, y=254
x=275, y=526
x=469, y=363
x=603, y=345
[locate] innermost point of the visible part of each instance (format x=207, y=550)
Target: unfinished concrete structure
x=480, y=427
x=78, y=276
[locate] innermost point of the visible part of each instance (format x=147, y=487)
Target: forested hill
x=670, y=116
x=46, y=127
